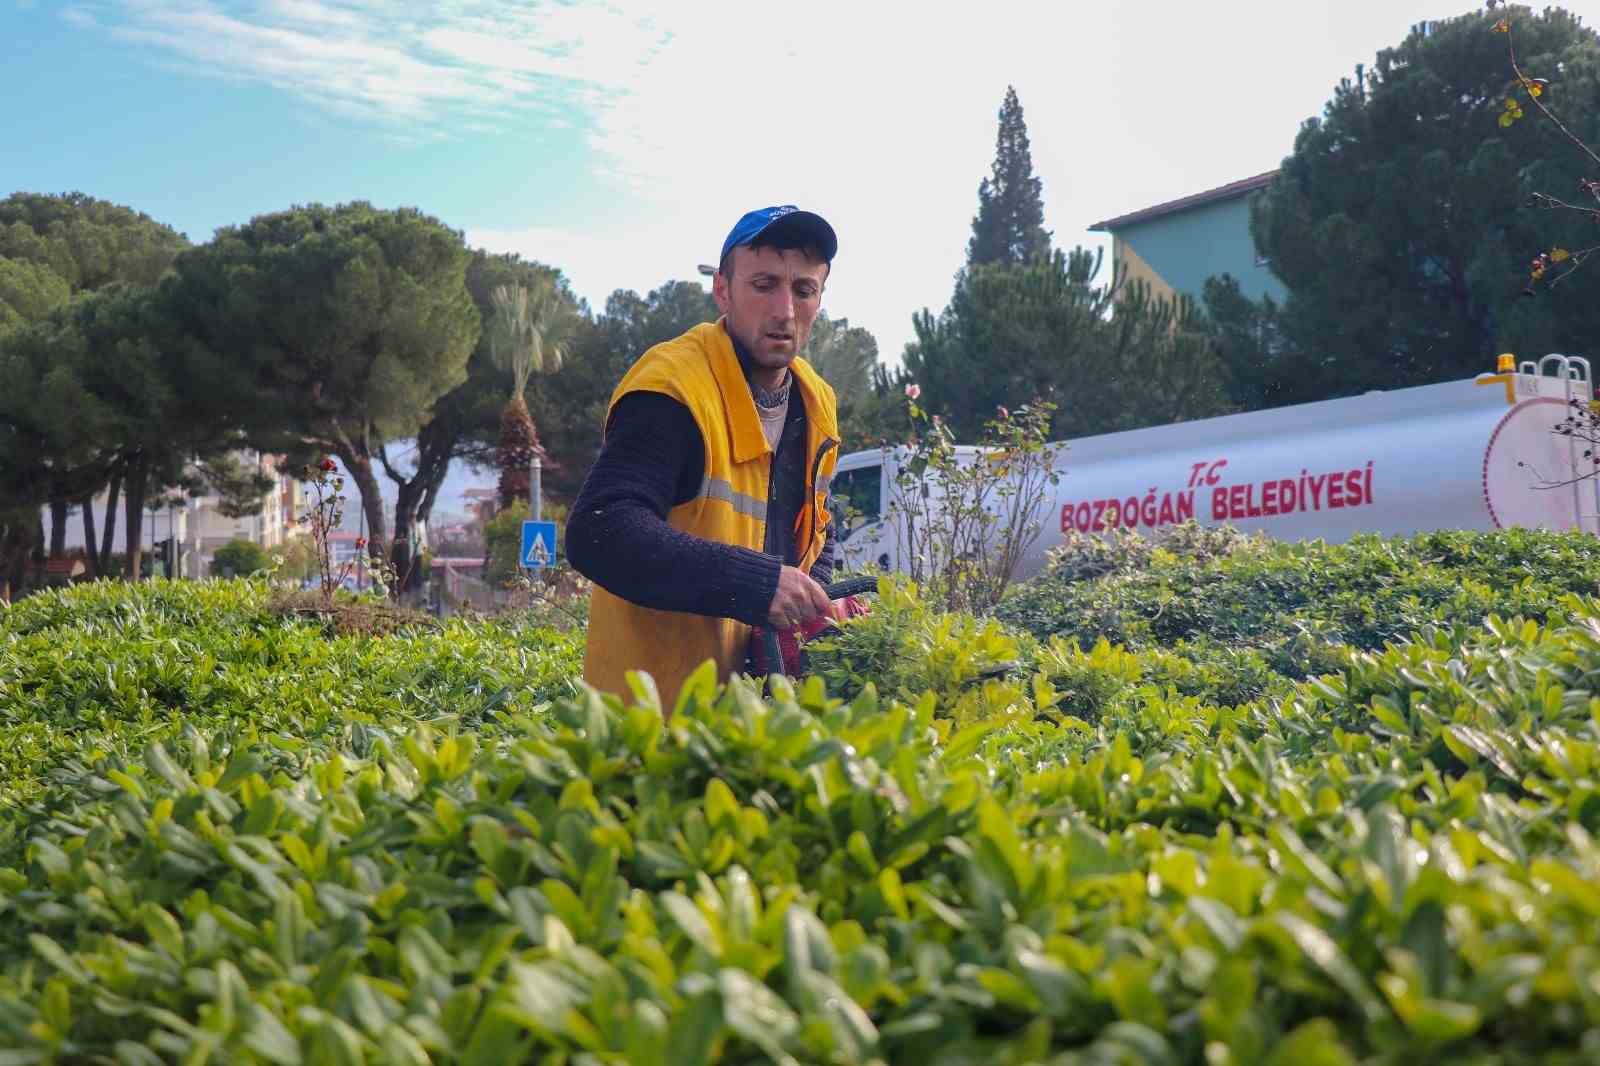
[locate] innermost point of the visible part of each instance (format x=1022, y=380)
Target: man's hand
x=797, y=601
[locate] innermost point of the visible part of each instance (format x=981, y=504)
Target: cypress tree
x=1009, y=227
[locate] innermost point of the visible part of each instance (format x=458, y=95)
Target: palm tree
x=528, y=335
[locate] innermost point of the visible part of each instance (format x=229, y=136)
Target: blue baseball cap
x=755, y=223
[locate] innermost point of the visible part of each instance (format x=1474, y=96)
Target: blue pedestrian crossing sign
x=538, y=545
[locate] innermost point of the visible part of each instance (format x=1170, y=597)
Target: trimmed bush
x=1398, y=865
x=240, y=558
x=1219, y=586
x=428, y=847
x=104, y=669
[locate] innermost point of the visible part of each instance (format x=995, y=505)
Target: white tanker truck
x=1473, y=454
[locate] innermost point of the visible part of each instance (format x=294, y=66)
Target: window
x=857, y=498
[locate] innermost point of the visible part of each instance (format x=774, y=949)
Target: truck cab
x=863, y=493
x=859, y=496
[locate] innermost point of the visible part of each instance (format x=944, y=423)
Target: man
x=706, y=511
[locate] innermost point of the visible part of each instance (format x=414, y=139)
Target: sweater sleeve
x=618, y=535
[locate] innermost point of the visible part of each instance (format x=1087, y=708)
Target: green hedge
x=105, y=668
x=1197, y=584
x=240, y=557
x=1230, y=618
x=256, y=844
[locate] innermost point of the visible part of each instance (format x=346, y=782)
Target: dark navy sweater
x=652, y=460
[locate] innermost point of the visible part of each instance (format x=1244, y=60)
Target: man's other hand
x=797, y=601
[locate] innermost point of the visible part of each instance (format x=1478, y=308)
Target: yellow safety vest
x=701, y=371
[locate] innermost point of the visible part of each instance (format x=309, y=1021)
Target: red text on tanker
x=1228, y=502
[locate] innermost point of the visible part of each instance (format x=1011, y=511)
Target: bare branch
x=1538, y=100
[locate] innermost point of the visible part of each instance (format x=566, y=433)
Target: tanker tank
x=1473, y=454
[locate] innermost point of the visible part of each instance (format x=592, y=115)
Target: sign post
x=536, y=487
x=538, y=545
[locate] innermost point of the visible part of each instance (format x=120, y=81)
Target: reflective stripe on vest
x=715, y=488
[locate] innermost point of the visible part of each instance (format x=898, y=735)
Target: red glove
x=790, y=640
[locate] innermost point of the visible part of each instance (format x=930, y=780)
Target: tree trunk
x=414, y=500
x=138, y=485
x=431, y=478
x=406, y=554
x=25, y=577
x=361, y=472
x=430, y=496
x=16, y=541
x=519, y=441
x=91, y=543
x=14, y=576
x=58, y=528
x=108, y=535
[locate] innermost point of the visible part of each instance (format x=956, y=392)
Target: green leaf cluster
x=86, y=242
x=1248, y=609
x=100, y=387
x=225, y=835
x=1395, y=862
x=1026, y=323
x=240, y=558
x=28, y=291
x=845, y=356
x=1194, y=613
x=349, y=323
x=100, y=670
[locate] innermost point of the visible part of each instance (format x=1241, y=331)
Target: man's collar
x=744, y=426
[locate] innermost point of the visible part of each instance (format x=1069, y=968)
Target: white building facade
x=198, y=525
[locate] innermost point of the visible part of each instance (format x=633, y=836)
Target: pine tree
x=1043, y=330
x=1399, y=224
x=1009, y=227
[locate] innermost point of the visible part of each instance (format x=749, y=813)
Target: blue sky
x=161, y=112
x=618, y=140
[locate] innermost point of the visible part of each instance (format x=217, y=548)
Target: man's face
x=771, y=300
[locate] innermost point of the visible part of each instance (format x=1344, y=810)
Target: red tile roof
x=1171, y=207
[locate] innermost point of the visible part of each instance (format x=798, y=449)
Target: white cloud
x=878, y=114
x=881, y=116
x=401, y=63
x=599, y=261
x=311, y=13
